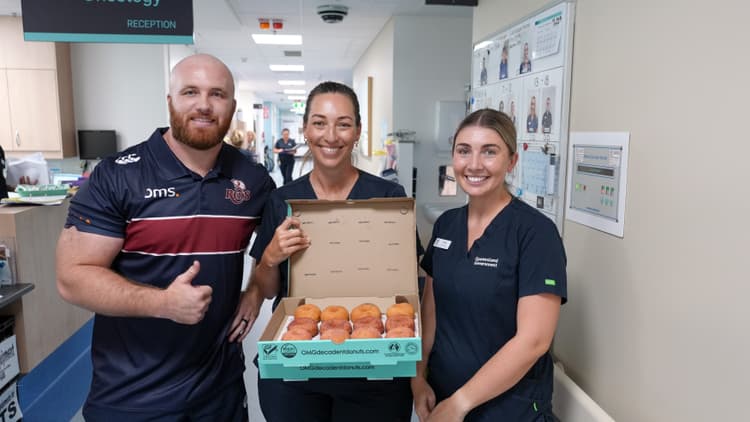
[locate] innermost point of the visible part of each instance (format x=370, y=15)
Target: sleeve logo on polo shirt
x=485, y=262
x=238, y=194
x=127, y=159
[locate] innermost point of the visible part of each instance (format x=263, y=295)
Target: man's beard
x=198, y=138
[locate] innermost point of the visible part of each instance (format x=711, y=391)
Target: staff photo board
x=524, y=71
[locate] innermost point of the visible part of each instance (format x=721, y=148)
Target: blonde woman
x=496, y=280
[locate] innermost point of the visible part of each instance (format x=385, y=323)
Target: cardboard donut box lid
x=361, y=251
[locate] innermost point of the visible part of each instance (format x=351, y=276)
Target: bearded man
x=154, y=245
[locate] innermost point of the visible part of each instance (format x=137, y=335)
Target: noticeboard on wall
x=524, y=70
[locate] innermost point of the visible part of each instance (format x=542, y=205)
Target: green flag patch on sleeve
x=550, y=282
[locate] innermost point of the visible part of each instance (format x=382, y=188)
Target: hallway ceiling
x=329, y=51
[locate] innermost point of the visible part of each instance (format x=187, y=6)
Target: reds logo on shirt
x=239, y=194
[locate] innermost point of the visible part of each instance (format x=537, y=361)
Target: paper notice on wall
x=548, y=34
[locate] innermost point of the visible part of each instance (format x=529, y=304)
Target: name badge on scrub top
x=442, y=243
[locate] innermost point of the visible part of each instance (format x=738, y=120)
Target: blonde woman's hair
x=237, y=138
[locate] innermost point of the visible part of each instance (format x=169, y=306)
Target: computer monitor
x=96, y=144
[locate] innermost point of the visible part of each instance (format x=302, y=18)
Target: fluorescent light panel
x=294, y=91
x=277, y=39
x=297, y=97
x=287, y=67
x=291, y=83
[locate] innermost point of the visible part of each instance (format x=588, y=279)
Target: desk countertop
x=9, y=294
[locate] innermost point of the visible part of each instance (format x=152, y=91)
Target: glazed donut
x=403, y=308
x=335, y=324
x=306, y=324
x=308, y=310
x=336, y=335
x=399, y=321
x=334, y=312
x=370, y=321
x=365, y=309
x=365, y=332
x=400, y=332
x=297, y=333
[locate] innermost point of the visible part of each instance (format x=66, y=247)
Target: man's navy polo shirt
x=476, y=294
x=168, y=217
x=367, y=186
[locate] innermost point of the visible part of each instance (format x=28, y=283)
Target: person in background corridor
x=286, y=148
x=237, y=139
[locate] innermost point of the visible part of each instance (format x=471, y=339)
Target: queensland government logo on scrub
x=486, y=262
x=238, y=194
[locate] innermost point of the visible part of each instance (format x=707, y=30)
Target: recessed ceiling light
x=291, y=82
x=297, y=97
x=277, y=39
x=294, y=91
x=287, y=67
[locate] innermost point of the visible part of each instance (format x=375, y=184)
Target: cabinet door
x=35, y=114
x=19, y=54
x=5, y=133
x=6, y=35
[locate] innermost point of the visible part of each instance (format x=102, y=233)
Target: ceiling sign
x=109, y=21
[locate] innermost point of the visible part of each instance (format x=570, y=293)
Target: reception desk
x=43, y=319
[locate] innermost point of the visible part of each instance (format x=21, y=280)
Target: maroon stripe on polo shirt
x=189, y=235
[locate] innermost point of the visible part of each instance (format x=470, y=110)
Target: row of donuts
x=365, y=318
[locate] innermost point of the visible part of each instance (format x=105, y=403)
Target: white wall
x=245, y=100
x=655, y=329
x=177, y=52
x=124, y=87
x=253, y=117
x=377, y=62
x=432, y=62
x=121, y=87
x=415, y=62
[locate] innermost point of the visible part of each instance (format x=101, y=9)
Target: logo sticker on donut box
x=362, y=252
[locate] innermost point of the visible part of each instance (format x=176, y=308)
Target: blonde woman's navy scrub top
x=476, y=294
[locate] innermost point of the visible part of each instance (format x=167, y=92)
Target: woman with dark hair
x=331, y=125
x=495, y=283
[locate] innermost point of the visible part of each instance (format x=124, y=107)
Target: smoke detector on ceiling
x=332, y=13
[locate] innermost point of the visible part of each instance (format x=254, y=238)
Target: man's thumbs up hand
x=185, y=303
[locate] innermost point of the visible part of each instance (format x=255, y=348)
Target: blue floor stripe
x=56, y=388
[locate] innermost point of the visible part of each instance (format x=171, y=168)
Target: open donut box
x=361, y=251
